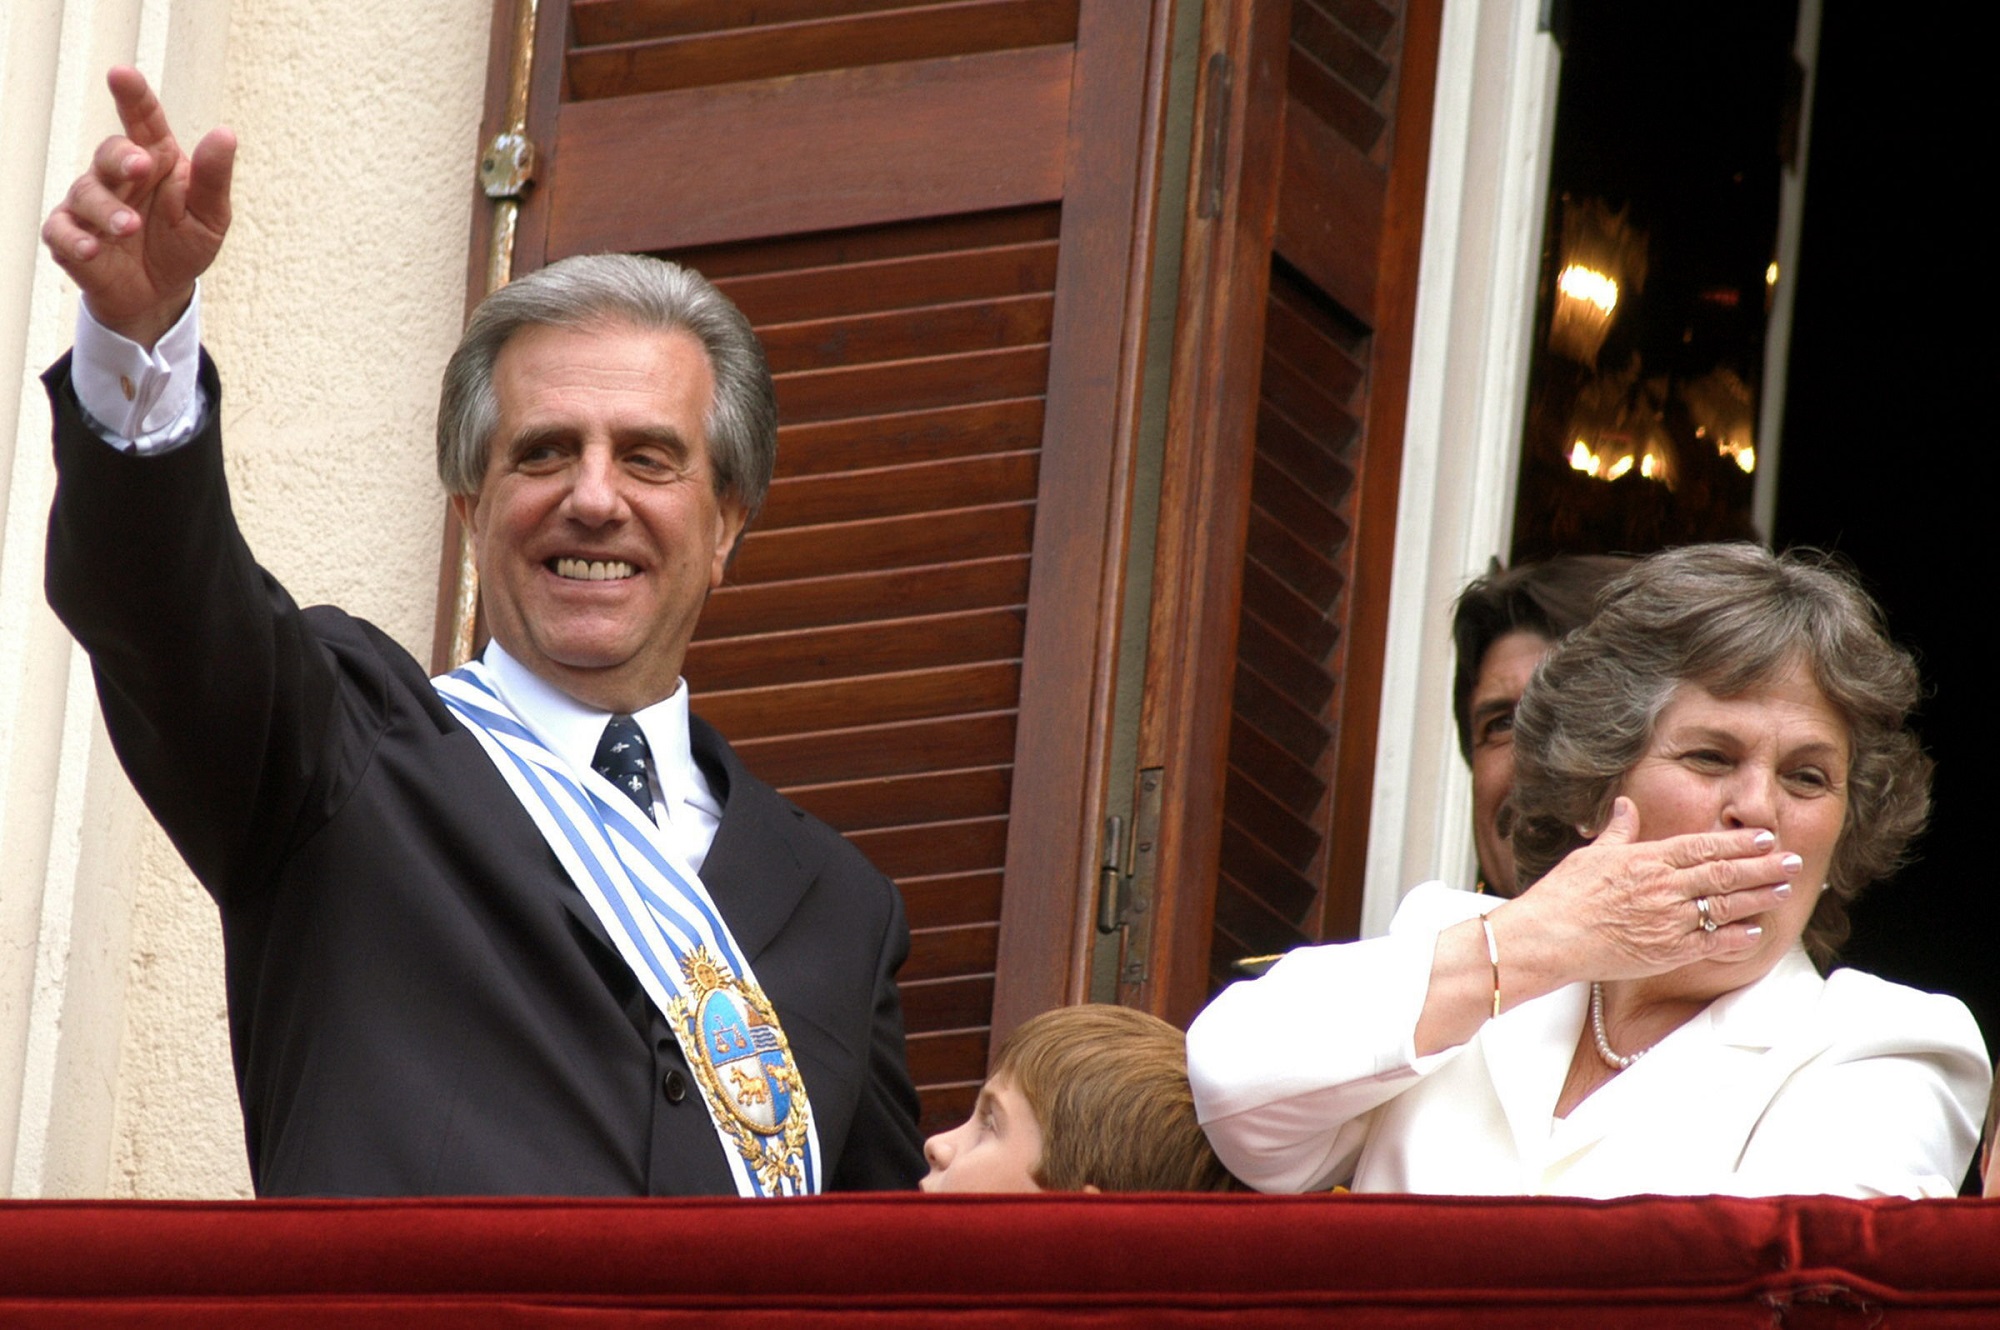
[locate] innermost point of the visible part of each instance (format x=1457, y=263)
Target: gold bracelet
x=1493, y=955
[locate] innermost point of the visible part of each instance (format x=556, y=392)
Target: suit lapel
x=1528, y=1052
x=470, y=760
x=1702, y=1089
x=1761, y=1034
x=756, y=870
x=760, y=865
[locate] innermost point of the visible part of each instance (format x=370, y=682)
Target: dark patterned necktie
x=624, y=760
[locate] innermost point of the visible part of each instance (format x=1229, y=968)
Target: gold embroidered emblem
x=743, y=1062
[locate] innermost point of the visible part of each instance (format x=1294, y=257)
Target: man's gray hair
x=615, y=289
x=1727, y=618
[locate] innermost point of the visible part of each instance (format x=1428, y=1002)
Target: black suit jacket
x=419, y=1001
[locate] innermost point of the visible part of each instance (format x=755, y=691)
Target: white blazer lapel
x=1528, y=1052
x=1668, y=1103
x=1698, y=1095
x=1768, y=1025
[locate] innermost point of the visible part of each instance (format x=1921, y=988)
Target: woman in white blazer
x=1705, y=776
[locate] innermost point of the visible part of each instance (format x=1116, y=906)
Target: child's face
x=995, y=1150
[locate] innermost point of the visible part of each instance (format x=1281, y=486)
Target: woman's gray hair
x=1728, y=618
x=615, y=289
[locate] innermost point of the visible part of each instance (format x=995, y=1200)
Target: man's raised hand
x=146, y=219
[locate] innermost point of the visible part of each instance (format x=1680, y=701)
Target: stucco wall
x=331, y=311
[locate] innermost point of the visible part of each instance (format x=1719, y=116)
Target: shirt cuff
x=139, y=400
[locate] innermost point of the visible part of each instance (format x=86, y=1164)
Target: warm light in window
x=1587, y=284
x=1738, y=451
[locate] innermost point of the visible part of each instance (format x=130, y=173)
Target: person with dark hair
x=1501, y=626
x=1609, y=1032
x=530, y=927
x=1090, y=1098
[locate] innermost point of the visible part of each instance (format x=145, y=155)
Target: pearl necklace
x=1612, y=1058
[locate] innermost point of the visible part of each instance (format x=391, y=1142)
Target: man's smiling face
x=597, y=530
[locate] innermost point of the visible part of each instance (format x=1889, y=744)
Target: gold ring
x=1708, y=924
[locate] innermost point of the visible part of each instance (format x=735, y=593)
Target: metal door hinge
x=1214, y=176
x=1111, y=877
x=1130, y=869
x=507, y=165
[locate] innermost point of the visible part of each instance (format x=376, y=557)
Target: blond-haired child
x=1091, y=1098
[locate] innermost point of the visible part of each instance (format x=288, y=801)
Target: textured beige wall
x=45, y=716
x=332, y=310
x=69, y=826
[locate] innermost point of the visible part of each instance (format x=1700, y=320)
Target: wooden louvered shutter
x=931, y=212
x=1291, y=365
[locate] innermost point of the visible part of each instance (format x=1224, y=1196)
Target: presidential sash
x=666, y=928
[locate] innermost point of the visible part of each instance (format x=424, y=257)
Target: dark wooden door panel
x=815, y=704
x=950, y=743
x=968, y=845
x=601, y=22
x=864, y=442
x=1291, y=362
x=864, y=597
x=621, y=50
x=933, y=212
x=952, y=901
x=956, y=1055
x=946, y=639
x=905, y=490
x=672, y=170
x=1292, y=646
x=791, y=553
x=861, y=805
x=974, y=325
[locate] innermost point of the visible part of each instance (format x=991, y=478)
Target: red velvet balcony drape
x=905, y=1261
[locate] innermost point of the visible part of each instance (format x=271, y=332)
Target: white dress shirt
x=142, y=401
x=683, y=805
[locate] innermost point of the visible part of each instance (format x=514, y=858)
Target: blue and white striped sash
x=661, y=919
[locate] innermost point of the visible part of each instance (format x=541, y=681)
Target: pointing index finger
x=139, y=110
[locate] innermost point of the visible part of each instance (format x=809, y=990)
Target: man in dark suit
x=532, y=928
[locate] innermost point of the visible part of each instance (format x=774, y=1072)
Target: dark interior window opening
x=1673, y=125
x=1884, y=410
